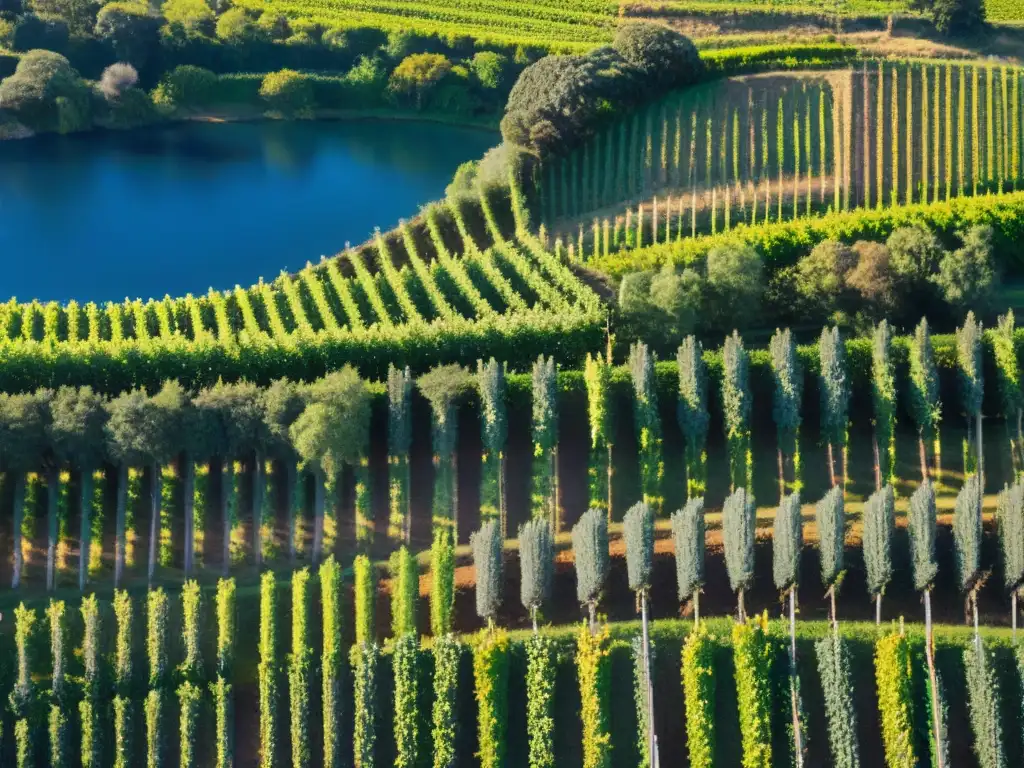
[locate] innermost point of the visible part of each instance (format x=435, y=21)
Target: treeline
x=309, y=444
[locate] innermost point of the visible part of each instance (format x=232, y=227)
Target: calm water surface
x=183, y=208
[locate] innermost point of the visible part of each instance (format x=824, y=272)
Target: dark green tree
x=925, y=407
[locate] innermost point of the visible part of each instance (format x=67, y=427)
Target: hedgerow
x=837, y=685
x=364, y=674
x=299, y=671
x=405, y=654
x=592, y=668
x=894, y=681
x=490, y=673
x=699, y=694
x=754, y=654
x=444, y=717
x=540, y=693
x=267, y=671
x=984, y=706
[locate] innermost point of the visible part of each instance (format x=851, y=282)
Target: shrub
x=130, y=29
x=666, y=57
x=287, y=92
x=236, y=26
x=699, y=695
x=735, y=280
x=405, y=590
x=837, y=685
x=822, y=275
x=45, y=32
x=186, y=86
x=872, y=278
x=417, y=76
x=594, y=675
x=193, y=17
x=540, y=701
x=754, y=657
x=958, y=17
x=914, y=255
x=894, y=679
x=967, y=277
x=489, y=68
x=46, y=94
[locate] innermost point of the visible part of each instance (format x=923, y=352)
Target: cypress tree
x=267, y=671
x=1008, y=380
x=545, y=439
x=399, y=443
x=925, y=407
x=688, y=541
x=830, y=517
x=490, y=379
x=739, y=519
x=736, y=402
x=883, y=400
x=221, y=689
x=590, y=553
x=283, y=402
x=971, y=380
x=597, y=377
x=967, y=544
x=835, y=398
x=536, y=565
x=879, y=518
x=984, y=707
x=787, y=542
x=1010, y=522
x=647, y=421
x=693, y=411
x=123, y=709
x=57, y=615
x=788, y=379
x=638, y=530
x=837, y=685
x=22, y=698
x=88, y=708
x=487, y=554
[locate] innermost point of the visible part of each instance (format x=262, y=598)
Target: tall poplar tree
x=590, y=554
x=1008, y=380
x=970, y=377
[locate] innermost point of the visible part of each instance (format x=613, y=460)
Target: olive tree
x=638, y=529
x=444, y=387
x=144, y=431
x=283, y=402
x=486, y=546
x=590, y=553
x=76, y=436
x=536, y=564
x=739, y=520
x=879, y=520
x=334, y=430
x=688, y=542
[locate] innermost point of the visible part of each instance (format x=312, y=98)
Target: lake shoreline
x=242, y=114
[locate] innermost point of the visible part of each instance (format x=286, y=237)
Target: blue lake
x=182, y=208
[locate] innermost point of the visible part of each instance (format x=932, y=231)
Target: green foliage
x=1007, y=369
x=837, y=685
x=693, y=410
x=638, y=531
x=288, y=92
x=46, y=94
x=487, y=555
x=830, y=519
x=190, y=698
x=444, y=719
x=545, y=436
x=406, y=728
x=494, y=433
x=925, y=407
x=969, y=365
x=921, y=523
x=186, y=86
x=365, y=599
x=647, y=422
x=590, y=555
x=600, y=413
x=834, y=387
x=405, y=591
x=594, y=675
x=540, y=701
x=221, y=689
x=879, y=524
x=735, y=281
x=490, y=673
x=688, y=541
x=967, y=534
x=787, y=542
x=789, y=379
x=958, y=17
x=91, y=745
x=984, y=707
x=334, y=428
x=157, y=617
x=660, y=53
x=331, y=658
x=299, y=672
x=223, y=710
x=739, y=518
x=417, y=76
x=640, y=699
x=364, y=657
x=883, y=398
x=191, y=607
x=154, y=708
x=57, y=617
x=442, y=573
x=754, y=654
x=1010, y=525
x=267, y=671
x=736, y=404
x=536, y=563
x=699, y=696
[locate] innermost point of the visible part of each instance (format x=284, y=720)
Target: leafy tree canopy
x=334, y=428
x=78, y=419
x=24, y=418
